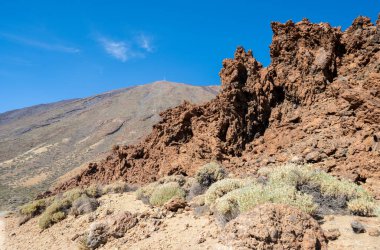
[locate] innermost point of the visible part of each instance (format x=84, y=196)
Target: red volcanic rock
x=318, y=101
x=274, y=226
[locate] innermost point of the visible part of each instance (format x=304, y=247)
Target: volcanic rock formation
x=274, y=226
x=318, y=102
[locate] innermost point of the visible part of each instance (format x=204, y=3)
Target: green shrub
x=364, y=206
x=198, y=201
x=84, y=205
x=94, y=191
x=210, y=173
x=376, y=212
x=180, y=179
x=246, y=198
x=220, y=188
x=56, y=212
x=116, y=187
x=146, y=191
x=33, y=208
x=164, y=192
x=73, y=194
x=360, y=202
x=60, y=207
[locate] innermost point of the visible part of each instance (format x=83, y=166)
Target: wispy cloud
x=117, y=49
x=145, y=42
x=123, y=50
x=39, y=44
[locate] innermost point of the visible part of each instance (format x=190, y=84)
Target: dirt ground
x=182, y=231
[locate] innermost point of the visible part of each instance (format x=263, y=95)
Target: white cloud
x=123, y=50
x=39, y=44
x=118, y=50
x=145, y=42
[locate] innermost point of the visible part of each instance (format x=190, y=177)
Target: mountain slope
x=317, y=102
x=41, y=143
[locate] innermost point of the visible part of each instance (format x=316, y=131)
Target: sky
x=56, y=50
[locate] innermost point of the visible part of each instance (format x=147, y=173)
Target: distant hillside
x=41, y=143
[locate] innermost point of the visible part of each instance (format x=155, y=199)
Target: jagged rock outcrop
x=318, y=101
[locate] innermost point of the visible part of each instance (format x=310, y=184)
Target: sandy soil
x=2, y=233
x=182, y=231
x=350, y=240
x=179, y=232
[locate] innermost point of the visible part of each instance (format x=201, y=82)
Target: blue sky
x=54, y=50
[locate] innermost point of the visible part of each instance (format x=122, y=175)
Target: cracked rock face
x=274, y=226
x=318, y=101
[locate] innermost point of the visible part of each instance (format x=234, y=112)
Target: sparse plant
x=220, y=188
x=146, y=191
x=72, y=194
x=164, y=192
x=364, y=206
x=116, y=187
x=56, y=212
x=198, y=201
x=359, y=201
x=180, y=179
x=210, y=173
x=246, y=198
x=33, y=208
x=94, y=191
x=84, y=205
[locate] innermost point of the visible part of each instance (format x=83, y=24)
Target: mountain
x=41, y=143
x=317, y=102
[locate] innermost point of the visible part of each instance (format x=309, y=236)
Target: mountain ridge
x=39, y=140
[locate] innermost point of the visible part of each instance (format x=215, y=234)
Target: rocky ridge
x=41, y=143
x=317, y=102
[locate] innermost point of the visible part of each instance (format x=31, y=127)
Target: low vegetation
x=359, y=201
x=146, y=191
x=210, y=173
x=220, y=188
x=76, y=201
x=164, y=192
x=244, y=199
x=33, y=208
x=116, y=187
x=297, y=185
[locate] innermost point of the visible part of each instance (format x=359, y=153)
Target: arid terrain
x=41, y=143
x=317, y=102
x=284, y=157
x=181, y=230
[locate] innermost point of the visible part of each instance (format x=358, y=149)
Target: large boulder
x=274, y=226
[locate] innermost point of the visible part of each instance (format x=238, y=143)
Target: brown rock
x=121, y=223
x=175, y=204
x=374, y=232
x=332, y=234
x=272, y=226
x=310, y=96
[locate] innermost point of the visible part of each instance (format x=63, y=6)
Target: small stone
x=296, y=159
x=75, y=237
x=313, y=156
x=374, y=232
x=357, y=227
x=332, y=234
x=201, y=240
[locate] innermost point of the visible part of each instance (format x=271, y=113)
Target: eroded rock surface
x=274, y=226
x=318, y=102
